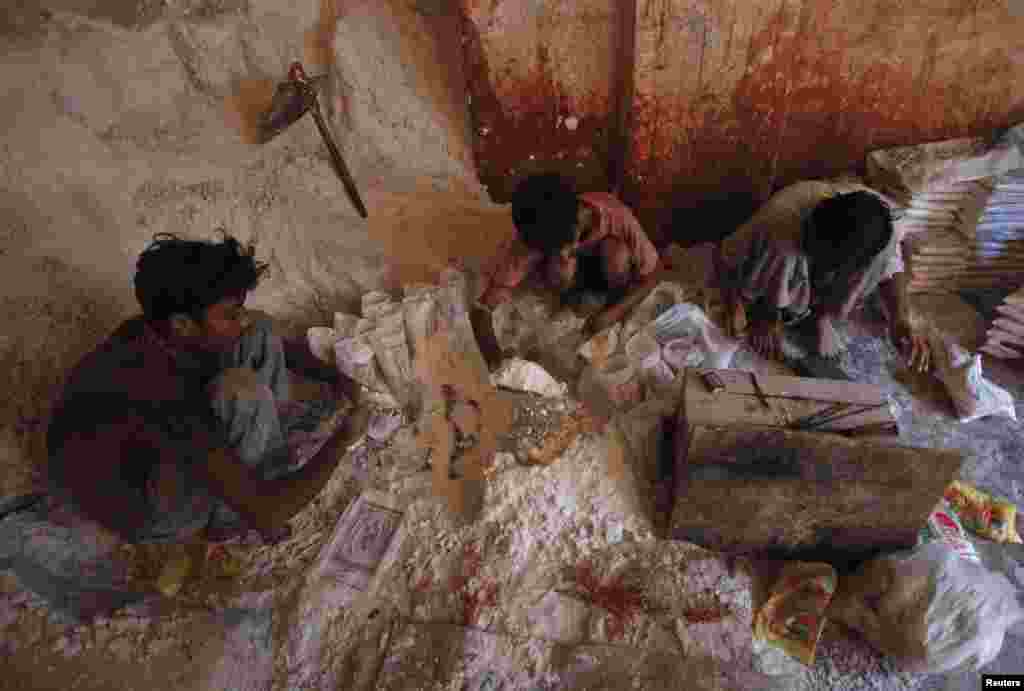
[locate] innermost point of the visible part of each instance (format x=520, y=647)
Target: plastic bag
x=944, y=526
x=981, y=513
x=661, y=299
x=960, y=372
x=794, y=616
x=928, y=608
x=693, y=340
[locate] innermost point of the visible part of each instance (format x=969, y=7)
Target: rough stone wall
x=113, y=129
x=736, y=96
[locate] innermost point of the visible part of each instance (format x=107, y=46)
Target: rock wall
x=733, y=96
x=113, y=130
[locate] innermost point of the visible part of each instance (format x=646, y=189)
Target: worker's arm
x=736, y=312
x=633, y=296
x=911, y=345
x=266, y=505
x=301, y=360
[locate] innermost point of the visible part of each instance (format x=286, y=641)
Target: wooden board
x=778, y=494
x=789, y=399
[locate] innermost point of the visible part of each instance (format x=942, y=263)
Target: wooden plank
x=739, y=382
x=783, y=494
x=788, y=402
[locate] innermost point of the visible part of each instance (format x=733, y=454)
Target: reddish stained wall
x=526, y=69
x=742, y=96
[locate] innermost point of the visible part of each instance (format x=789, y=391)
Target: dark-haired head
x=197, y=281
x=847, y=231
x=544, y=208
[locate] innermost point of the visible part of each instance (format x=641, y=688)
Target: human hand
x=766, y=338
x=736, y=319
x=912, y=345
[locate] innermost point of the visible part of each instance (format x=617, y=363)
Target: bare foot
x=737, y=318
x=766, y=338
x=830, y=343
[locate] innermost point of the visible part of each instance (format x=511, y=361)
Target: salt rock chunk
x=600, y=347
x=523, y=375
x=345, y=324
x=321, y=343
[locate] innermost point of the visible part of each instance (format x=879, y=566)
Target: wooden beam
x=624, y=73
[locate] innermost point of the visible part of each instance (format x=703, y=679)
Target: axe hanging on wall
x=291, y=100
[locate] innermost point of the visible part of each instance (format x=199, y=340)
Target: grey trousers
x=246, y=395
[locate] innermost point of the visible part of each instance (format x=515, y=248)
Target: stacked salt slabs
x=980, y=246
x=1005, y=338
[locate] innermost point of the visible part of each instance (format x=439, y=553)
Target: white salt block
x=345, y=324
x=321, y=343
x=523, y=375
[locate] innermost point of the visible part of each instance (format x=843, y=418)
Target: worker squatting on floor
x=175, y=427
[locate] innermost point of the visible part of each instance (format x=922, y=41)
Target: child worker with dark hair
x=175, y=428
x=579, y=242
x=810, y=255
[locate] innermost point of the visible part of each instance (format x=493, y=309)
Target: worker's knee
x=239, y=384
x=561, y=272
x=616, y=262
